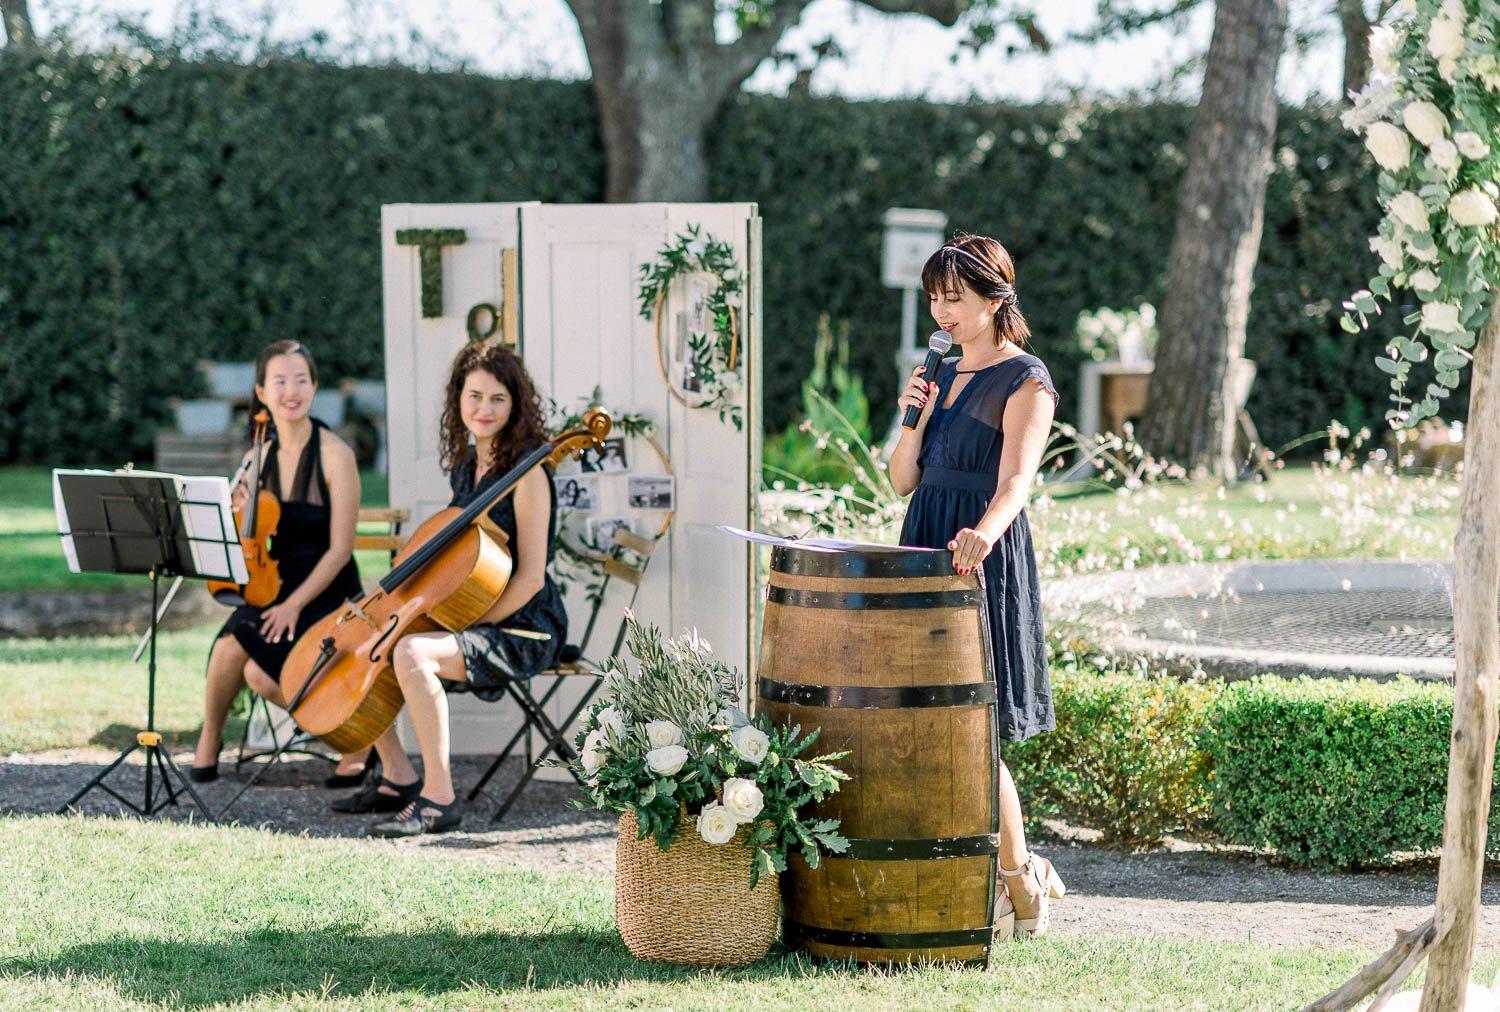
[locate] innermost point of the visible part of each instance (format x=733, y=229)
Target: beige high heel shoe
x=1038, y=878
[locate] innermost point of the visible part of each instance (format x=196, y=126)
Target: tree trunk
x=1189, y=418
x=1355, y=24
x=18, y=31
x=1471, y=755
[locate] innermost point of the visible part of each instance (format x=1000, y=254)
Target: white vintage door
x=419, y=350
x=580, y=329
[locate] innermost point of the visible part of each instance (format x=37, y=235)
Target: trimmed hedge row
x=153, y=212
x=1323, y=772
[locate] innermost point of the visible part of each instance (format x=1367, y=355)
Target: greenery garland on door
x=713, y=358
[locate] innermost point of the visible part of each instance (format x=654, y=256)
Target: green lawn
x=1301, y=513
x=84, y=690
x=30, y=558
x=117, y=914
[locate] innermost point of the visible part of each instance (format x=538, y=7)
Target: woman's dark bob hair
x=981, y=264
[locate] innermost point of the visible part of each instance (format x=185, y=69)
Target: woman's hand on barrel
x=280, y=622
x=969, y=548
x=918, y=394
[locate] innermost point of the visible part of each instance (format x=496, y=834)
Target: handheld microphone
x=937, y=346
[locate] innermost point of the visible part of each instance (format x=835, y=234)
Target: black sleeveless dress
x=301, y=539
x=493, y=656
x=960, y=461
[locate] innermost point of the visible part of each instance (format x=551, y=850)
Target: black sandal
x=370, y=799
x=369, y=771
x=415, y=819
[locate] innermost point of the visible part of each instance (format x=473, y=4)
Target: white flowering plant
x=1127, y=335
x=1431, y=119
x=666, y=740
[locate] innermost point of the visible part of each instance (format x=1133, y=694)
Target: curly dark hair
x=527, y=428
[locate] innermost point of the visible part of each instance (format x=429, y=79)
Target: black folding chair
x=573, y=664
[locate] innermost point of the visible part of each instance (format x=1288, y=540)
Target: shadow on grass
x=342, y=963
x=120, y=735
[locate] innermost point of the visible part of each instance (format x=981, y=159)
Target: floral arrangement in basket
x=1126, y=335
x=669, y=739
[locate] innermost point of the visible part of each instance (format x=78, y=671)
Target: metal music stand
x=126, y=522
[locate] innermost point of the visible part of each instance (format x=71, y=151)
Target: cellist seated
x=492, y=418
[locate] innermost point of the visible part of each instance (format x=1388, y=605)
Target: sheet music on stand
x=817, y=544
x=206, y=534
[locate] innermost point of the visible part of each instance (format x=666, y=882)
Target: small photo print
x=581, y=495
x=601, y=530
x=607, y=459
x=653, y=492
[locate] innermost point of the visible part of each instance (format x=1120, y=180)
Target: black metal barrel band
x=876, y=697
x=854, y=601
x=890, y=939
x=913, y=849
x=856, y=565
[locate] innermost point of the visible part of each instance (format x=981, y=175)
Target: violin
x=339, y=678
x=256, y=521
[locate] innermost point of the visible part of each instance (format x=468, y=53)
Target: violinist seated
x=313, y=475
x=491, y=401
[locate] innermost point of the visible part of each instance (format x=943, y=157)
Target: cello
x=258, y=519
x=339, y=678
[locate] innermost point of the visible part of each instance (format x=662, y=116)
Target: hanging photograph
x=581, y=495
x=601, y=530
x=650, y=492
x=607, y=459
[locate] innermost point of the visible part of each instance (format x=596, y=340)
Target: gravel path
x=1179, y=891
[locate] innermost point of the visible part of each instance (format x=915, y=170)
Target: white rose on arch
x=1389, y=251
x=1424, y=281
x=1444, y=154
x=1445, y=39
x=716, y=824
x=1472, y=208
x=1440, y=318
x=751, y=743
x=1471, y=145
x=1410, y=211
x=1389, y=146
x=1383, y=42
x=667, y=761
x=1425, y=121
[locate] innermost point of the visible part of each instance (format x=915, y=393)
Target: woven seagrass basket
x=692, y=904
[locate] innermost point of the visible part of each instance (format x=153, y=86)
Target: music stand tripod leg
x=97, y=781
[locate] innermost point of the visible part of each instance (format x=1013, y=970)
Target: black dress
x=493, y=656
x=302, y=537
x=960, y=461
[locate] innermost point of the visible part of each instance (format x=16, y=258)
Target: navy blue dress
x=960, y=461
x=493, y=656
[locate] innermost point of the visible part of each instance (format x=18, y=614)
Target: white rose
x=661, y=733
x=1440, y=317
x=1424, y=280
x=1410, y=210
x=1425, y=121
x=1471, y=145
x=1383, y=41
x=716, y=824
x=666, y=761
x=1472, y=208
x=593, y=752
x=1445, y=39
x=1453, y=9
x=1406, y=8
x=743, y=798
x=1389, y=251
x=1427, y=256
x=1388, y=143
x=1444, y=154
x=610, y=720
x=751, y=743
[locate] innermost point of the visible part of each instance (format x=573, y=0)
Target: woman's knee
x=227, y=653
x=414, y=657
x=261, y=683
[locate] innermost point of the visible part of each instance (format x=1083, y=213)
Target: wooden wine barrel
x=889, y=653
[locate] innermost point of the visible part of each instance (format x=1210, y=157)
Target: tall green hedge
x=153, y=213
